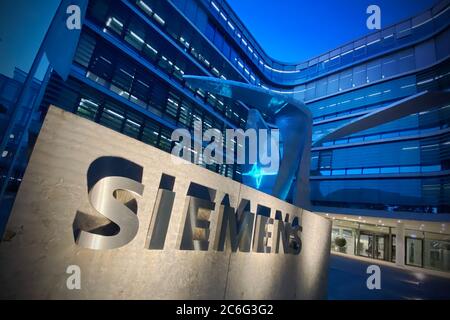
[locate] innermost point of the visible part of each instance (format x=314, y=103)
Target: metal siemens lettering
x=236, y=229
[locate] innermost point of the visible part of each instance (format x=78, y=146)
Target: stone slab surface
x=33, y=263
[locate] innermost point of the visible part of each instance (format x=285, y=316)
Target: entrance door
x=365, y=245
x=372, y=245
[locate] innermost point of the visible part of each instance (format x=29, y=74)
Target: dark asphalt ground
x=348, y=277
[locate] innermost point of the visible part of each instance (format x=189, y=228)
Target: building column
x=388, y=248
x=400, y=245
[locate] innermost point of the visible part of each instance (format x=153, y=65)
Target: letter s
x=103, y=200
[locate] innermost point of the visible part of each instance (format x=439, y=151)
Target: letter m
x=234, y=228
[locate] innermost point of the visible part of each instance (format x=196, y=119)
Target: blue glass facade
x=127, y=74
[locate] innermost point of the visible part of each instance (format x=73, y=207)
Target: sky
x=297, y=30
x=23, y=24
x=288, y=30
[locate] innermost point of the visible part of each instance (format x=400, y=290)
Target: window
x=165, y=143
x=112, y=117
x=341, y=141
x=141, y=88
x=333, y=83
x=406, y=60
x=388, y=38
x=218, y=40
x=371, y=170
x=359, y=75
x=354, y=171
x=172, y=105
x=226, y=49
x=165, y=64
x=115, y=25
x=373, y=71
x=132, y=126
x=414, y=251
x=102, y=64
x=315, y=162
x=325, y=160
x=159, y=19
x=123, y=79
x=432, y=168
x=135, y=36
x=150, y=51
x=185, y=114
x=347, y=54
x=321, y=87
x=403, y=29
x=158, y=98
x=335, y=59
x=389, y=68
x=389, y=135
x=359, y=48
x=150, y=133
x=355, y=139
x=85, y=50
x=436, y=252
x=144, y=6
x=409, y=169
x=338, y=172
x=210, y=30
x=372, y=137
x=389, y=170
x=345, y=81
x=87, y=108
x=310, y=91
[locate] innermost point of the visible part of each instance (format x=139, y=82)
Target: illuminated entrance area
x=423, y=246
x=373, y=245
x=362, y=239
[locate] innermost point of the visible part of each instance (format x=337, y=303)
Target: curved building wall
x=128, y=72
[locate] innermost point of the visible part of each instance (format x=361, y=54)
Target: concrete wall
x=33, y=263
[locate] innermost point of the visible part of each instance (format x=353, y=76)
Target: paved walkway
x=347, y=280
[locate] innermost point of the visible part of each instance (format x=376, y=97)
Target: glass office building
x=127, y=74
